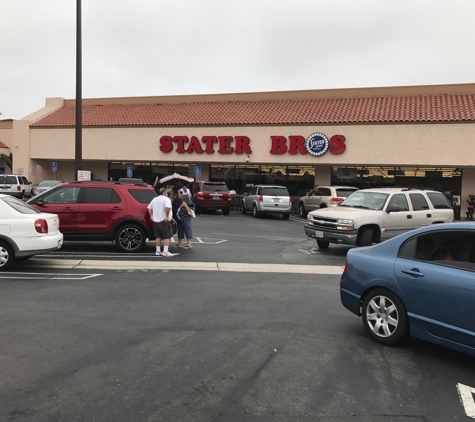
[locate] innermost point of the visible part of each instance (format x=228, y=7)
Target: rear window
x=20, y=206
x=214, y=188
x=344, y=193
x=274, y=191
x=144, y=196
x=439, y=200
x=8, y=180
x=49, y=183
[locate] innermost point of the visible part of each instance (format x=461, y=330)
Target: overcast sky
x=173, y=47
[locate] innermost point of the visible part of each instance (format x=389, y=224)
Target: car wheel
x=302, y=211
x=384, y=317
x=322, y=244
x=6, y=256
x=366, y=238
x=225, y=211
x=255, y=213
x=286, y=216
x=243, y=208
x=130, y=238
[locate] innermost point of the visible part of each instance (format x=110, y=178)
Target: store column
x=468, y=188
x=323, y=175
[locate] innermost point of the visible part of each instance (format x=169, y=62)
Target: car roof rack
x=110, y=182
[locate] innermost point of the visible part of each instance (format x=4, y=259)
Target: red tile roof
x=380, y=109
x=2, y=145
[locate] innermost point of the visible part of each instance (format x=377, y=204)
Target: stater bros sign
x=315, y=144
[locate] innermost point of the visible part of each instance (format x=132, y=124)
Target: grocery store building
x=415, y=136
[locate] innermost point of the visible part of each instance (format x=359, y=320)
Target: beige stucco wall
x=408, y=144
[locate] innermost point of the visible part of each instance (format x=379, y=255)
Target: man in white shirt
x=160, y=211
x=185, y=192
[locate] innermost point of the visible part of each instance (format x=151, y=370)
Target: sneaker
x=158, y=253
x=169, y=254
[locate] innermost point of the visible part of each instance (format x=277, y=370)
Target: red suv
x=211, y=196
x=101, y=211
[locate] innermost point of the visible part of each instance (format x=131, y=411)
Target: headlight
x=344, y=222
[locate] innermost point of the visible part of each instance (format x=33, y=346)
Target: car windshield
x=48, y=183
x=20, y=206
x=214, y=188
x=366, y=200
x=8, y=180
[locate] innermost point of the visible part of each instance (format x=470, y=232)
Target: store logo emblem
x=317, y=144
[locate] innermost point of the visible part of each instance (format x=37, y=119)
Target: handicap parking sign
x=198, y=171
x=54, y=166
x=129, y=171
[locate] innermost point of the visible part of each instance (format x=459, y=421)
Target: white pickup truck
x=372, y=215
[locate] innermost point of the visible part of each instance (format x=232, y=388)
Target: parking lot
x=245, y=326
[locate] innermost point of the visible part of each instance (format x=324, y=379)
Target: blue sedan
x=421, y=283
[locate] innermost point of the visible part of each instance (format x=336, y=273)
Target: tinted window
x=439, y=200
x=344, y=193
x=253, y=191
x=144, y=196
x=214, y=188
x=101, y=196
x=399, y=200
x=20, y=206
x=8, y=180
x=64, y=195
x=25, y=181
x=418, y=201
x=274, y=191
x=453, y=249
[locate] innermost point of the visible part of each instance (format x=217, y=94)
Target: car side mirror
x=39, y=201
x=393, y=208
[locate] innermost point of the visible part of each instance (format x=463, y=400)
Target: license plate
x=319, y=234
x=215, y=196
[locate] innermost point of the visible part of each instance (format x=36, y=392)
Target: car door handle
x=116, y=209
x=409, y=217
x=429, y=215
x=414, y=272
x=68, y=209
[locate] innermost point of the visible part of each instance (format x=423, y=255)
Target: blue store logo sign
x=317, y=144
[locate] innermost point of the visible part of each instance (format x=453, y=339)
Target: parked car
x=267, y=199
x=108, y=211
x=211, y=196
x=15, y=185
x=25, y=231
x=46, y=185
x=420, y=283
x=372, y=215
x=323, y=197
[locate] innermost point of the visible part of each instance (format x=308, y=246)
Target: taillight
x=18, y=188
x=260, y=198
x=346, y=267
x=200, y=195
x=337, y=199
x=41, y=225
x=229, y=198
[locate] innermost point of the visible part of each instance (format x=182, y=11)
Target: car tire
x=243, y=208
x=225, y=211
x=322, y=244
x=130, y=238
x=302, y=211
x=286, y=216
x=6, y=256
x=255, y=213
x=366, y=238
x=384, y=317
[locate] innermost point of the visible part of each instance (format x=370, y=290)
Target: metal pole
x=78, y=149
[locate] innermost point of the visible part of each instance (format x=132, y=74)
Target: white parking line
x=45, y=276
x=466, y=397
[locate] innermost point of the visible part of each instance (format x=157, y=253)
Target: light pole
x=78, y=144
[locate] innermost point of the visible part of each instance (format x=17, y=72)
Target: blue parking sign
x=129, y=171
x=54, y=166
x=198, y=171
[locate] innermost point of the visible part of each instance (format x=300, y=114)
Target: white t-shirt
x=185, y=192
x=158, y=205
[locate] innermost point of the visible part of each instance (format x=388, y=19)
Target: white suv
x=15, y=185
x=371, y=215
x=322, y=197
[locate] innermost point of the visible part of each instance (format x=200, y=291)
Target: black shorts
x=162, y=230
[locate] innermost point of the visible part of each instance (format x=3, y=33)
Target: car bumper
x=274, y=210
x=331, y=236
x=41, y=245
